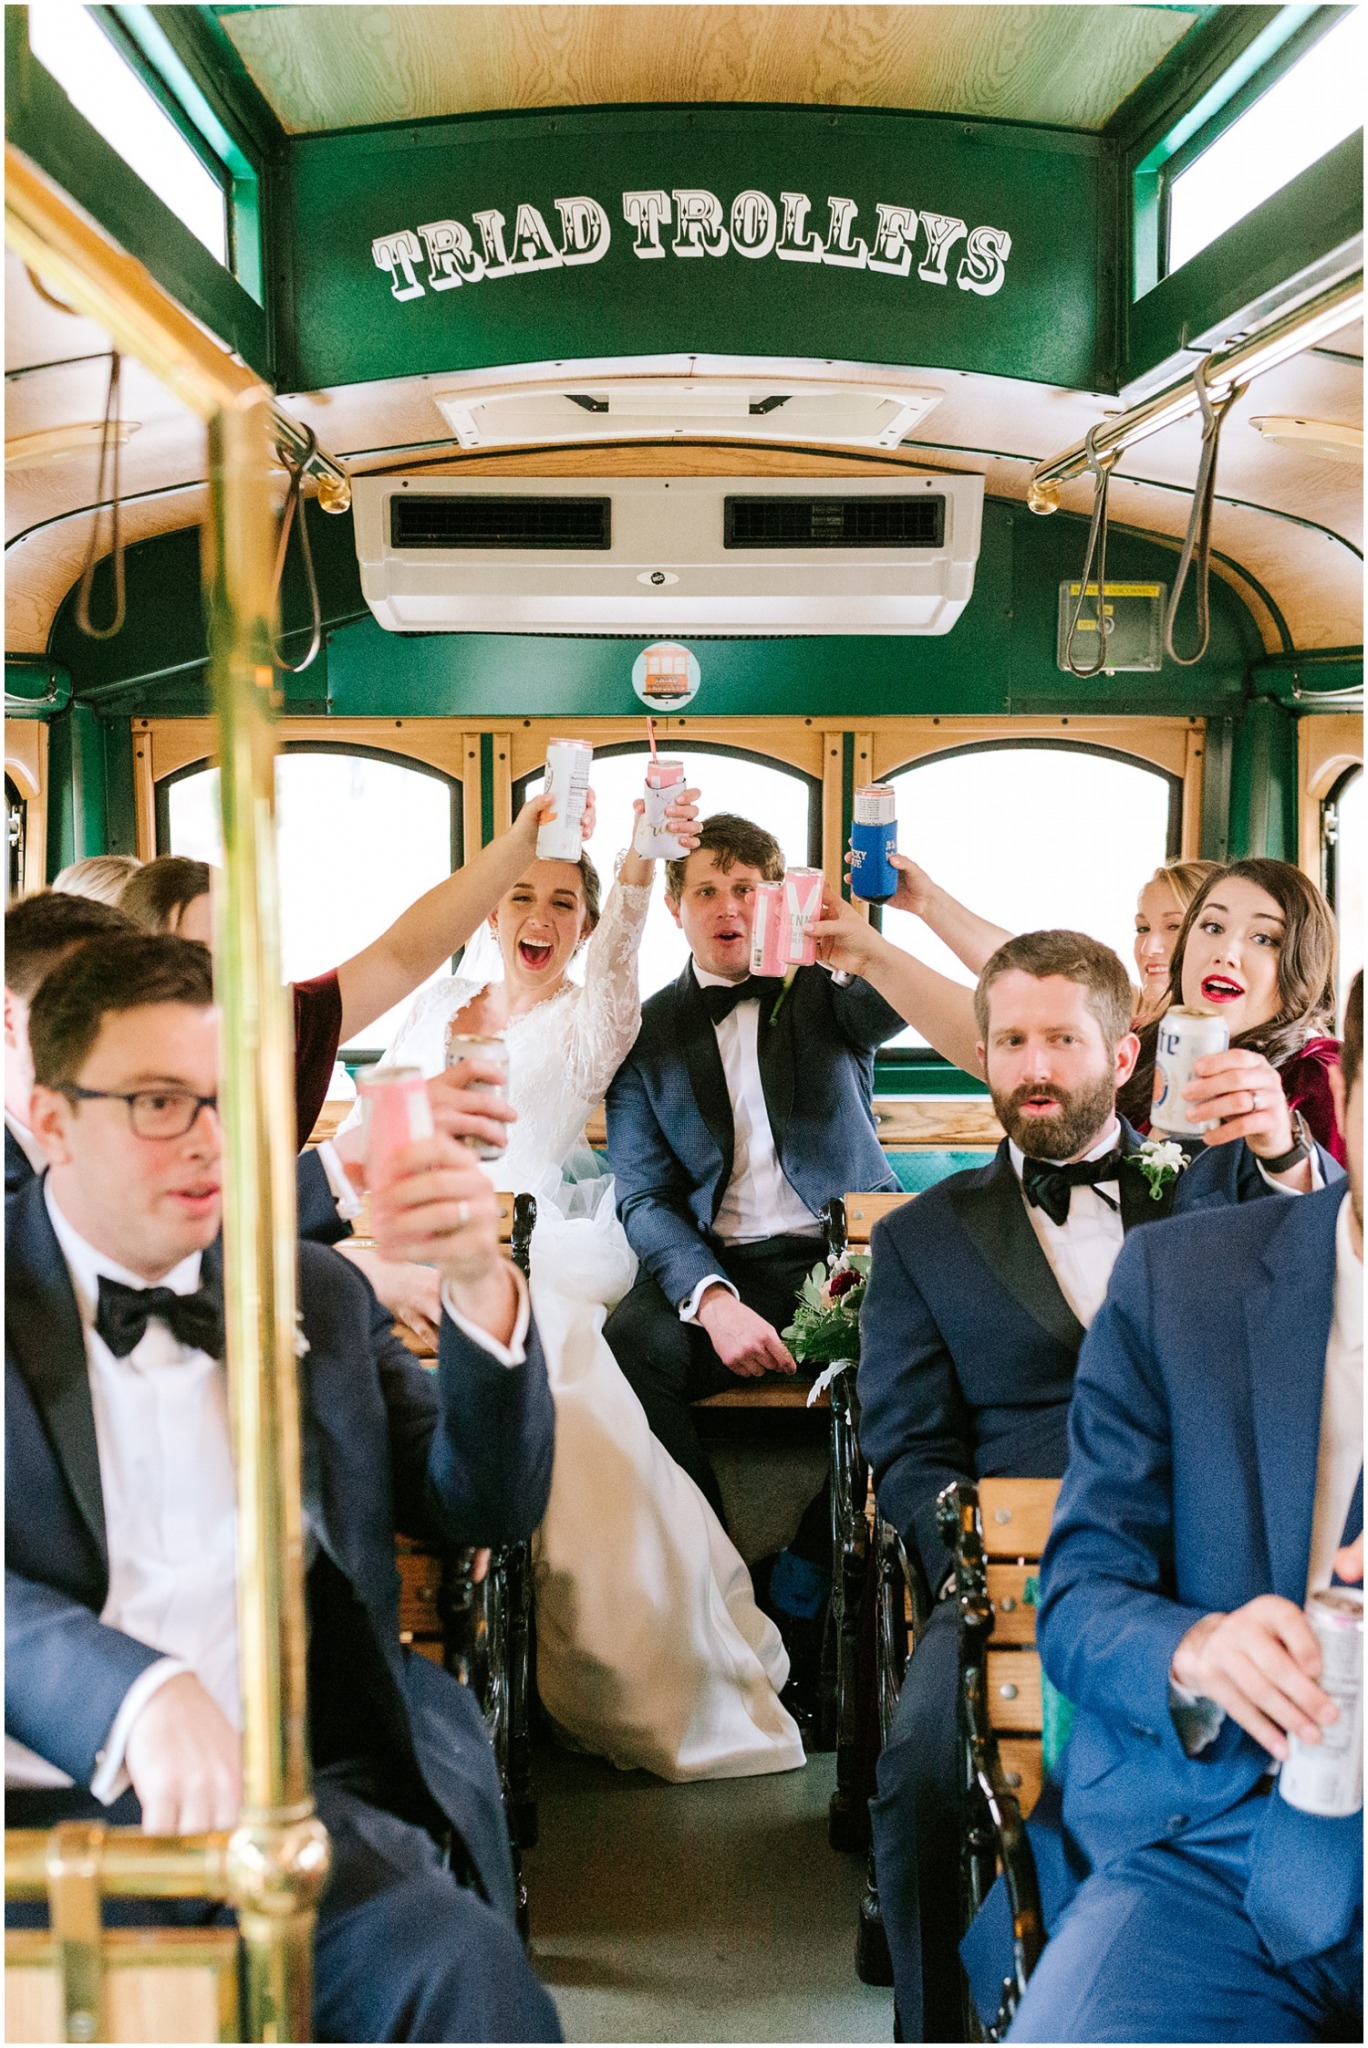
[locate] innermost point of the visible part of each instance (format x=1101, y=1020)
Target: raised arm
x=970, y=937
x=939, y=1008
x=433, y=928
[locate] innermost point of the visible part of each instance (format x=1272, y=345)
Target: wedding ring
x=1253, y=1098
x=462, y=1215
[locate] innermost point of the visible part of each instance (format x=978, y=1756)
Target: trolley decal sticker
x=898, y=241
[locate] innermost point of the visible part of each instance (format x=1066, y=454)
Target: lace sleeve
x=609, y=1015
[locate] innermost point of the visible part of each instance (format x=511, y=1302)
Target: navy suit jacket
x=463, y=1454
x=670, y=1130
x=968, y=1348
x=318, y=1217
x=1193, y=1441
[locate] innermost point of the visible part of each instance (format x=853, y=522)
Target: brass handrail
x=95, y=277
x=131, y=1863
x=1268, y=344
x=276, y=1860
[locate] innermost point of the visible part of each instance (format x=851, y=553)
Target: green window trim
x=1166, y=155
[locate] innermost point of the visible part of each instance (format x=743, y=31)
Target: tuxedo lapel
x=993, y=1212
x=44, y=1324
x=697, y=1043
x=1288, y=1310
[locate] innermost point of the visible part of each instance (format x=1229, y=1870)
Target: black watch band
x=1302, y=1148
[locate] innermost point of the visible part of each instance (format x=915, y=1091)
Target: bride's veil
x=481, y=961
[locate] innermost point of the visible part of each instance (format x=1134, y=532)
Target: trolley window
x=783, y=800
x=1343, y=856
x=1033, y=835
x=361, y=836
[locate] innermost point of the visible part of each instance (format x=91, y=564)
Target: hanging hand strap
x=1197, y=540
x=1101, y=467
x=111, y=442
x=294, y=505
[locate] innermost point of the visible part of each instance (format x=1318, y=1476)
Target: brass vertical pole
x=278, y=1856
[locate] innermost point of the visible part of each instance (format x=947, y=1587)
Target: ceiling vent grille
x=864, y=522
x=422, y=521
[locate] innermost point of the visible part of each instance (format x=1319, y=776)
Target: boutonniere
x=1161, y=1161
x=301, y=1342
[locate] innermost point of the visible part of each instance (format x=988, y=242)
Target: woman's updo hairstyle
x=162, y=890
x=1184, y=878
x=1306, y=956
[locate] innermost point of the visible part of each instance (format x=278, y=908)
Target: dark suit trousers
x=915, y=1821
x=668, y=1364
x=402, y=1951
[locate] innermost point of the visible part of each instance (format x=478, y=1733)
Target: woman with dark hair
x=1258, y=947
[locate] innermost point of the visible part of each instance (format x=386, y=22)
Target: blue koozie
x=873, y=837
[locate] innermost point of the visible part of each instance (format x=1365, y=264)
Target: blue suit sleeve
x=1110, y=1621
x=471, y=1444
x=653, y=1190
x=915, y=1426
x=319, y=1221
x=862, y=1016
x=66, y=1674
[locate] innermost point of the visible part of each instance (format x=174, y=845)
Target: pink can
x=769, y=953
x=663, y=779
x=397, y=1113
x=802, y=908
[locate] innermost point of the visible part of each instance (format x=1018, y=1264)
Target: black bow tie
x=123, y=1314
x=723, y=998
x=1049, y=1187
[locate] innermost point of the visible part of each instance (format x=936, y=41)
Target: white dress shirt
x=759, y=1201
x=1083, y=1248
x=170, y=1500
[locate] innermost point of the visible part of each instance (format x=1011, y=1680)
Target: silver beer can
x=567, y=780
x=1326, y=1777
x=1184, y=1036
x=493, y=1051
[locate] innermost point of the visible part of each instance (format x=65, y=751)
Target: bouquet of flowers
x=826, y=1326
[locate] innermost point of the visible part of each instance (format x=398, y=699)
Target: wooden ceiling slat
x=349, y=67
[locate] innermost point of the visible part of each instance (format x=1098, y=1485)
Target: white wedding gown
x=650, y=1648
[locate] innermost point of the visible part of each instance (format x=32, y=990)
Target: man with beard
x=979, y=1297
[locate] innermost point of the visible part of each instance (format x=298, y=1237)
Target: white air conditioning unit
x=668, y=557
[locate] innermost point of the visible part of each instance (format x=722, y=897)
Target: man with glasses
x=122, y=1691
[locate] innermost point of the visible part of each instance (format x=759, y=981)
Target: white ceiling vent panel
x=764, y=407
x=668, y=557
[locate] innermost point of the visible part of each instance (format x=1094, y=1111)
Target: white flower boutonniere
x=1161, y=1160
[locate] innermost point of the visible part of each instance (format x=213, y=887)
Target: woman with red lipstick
x=1258, y=948
x=651, y=1650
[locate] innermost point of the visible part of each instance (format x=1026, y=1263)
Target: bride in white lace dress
x=650, y=1648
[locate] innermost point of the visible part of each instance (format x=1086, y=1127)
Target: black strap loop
x=1197, y=540
x=111, y=438
x=294, y=504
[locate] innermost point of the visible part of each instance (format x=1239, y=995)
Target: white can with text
x=663, y=779
x=802, y=908
x=492, y=1051
x=1326, y=1777
x=1184, y=1036
x=769, y=952
x=567, y=781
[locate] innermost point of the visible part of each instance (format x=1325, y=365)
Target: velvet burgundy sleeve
x=1306, y=1084
x=317, y=1031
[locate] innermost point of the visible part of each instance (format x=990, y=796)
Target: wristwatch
x=1301, y=1148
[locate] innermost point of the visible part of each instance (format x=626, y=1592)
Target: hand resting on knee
x=746, y=1344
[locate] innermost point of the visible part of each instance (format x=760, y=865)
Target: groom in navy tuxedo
x=979, y=1296
x=1215, y=1469
x=121, y=1671
x=739, y=1112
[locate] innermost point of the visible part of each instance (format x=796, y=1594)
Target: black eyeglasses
x=153, y=1112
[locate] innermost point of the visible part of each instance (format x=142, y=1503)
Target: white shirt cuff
x=349, y=1202
x=1317, y=1177
x=689, y=1311
x=111, y=1777
x=1197, y=1719
x=515, y=1351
